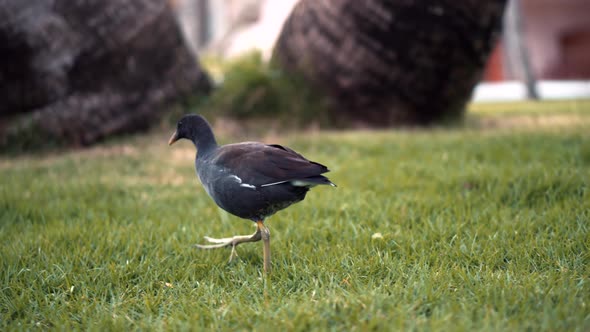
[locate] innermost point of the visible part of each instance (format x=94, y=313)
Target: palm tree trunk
x=516, y=49
x=85, y=70
x=391, y=62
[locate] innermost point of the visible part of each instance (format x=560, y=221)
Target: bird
x=250, y=180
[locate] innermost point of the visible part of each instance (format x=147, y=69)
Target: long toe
x=225, y=240
x=213, y=246
x=233, y=254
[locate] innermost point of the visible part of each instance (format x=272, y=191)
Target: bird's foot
x=230, y=242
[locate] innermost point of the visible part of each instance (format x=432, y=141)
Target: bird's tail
x=312, y=181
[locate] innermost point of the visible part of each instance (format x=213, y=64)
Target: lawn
x=479, y=227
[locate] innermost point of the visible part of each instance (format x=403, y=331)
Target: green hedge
x=250, y=88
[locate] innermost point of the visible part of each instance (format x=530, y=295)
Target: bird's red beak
x=173, y=138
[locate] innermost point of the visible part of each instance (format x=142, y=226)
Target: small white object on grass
x=377, y=236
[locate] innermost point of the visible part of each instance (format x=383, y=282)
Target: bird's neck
x=206, y=142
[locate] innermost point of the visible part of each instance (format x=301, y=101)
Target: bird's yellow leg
x=265, y=234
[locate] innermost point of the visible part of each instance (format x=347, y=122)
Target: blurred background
x=457, y=131
x=556, y=36
x=73, y=73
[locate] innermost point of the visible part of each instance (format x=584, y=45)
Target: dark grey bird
x=250, y=180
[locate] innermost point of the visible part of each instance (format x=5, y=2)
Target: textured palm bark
x=90, y=69
x=391, y=62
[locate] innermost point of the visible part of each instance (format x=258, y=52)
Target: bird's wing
x=259, y=164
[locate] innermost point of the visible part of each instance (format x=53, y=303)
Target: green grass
x=482, y=228
x=251, y=88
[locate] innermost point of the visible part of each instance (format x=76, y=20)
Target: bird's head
x=194, y=128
